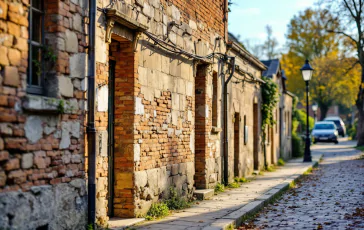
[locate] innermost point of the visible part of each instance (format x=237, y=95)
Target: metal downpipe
x=226, y=136
x=91, y=131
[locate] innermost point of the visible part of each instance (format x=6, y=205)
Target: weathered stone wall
x=42, y=140
x=156, y=144
x=241, y=99
x=287, y=132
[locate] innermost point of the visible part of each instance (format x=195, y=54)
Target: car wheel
x=336, y=142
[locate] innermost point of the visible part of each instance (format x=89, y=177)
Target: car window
x=324, y=126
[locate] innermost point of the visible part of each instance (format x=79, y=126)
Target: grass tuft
x=176, y=202
x=219, y=188
x=157, y=211
x=234, y=185
x=281, y=162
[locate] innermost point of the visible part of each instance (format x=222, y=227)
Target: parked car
x=339, y=124
x=325, y=131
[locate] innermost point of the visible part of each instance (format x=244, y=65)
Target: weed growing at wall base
x=176, y=202
x=157, y=211
x=234, y=185
x=281, y=162
x=219, y=188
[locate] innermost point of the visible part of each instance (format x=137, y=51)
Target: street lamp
x=314, y=109
x=307, y=71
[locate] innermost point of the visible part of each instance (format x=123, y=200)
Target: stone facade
x=42, y=175
x=159, y=118
x=154, y=99
x=244, y=118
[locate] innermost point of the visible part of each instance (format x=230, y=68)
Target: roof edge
x=244, y=53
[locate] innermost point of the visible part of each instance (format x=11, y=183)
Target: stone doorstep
x=123, y=223
x=239, y=215
x=204, y=194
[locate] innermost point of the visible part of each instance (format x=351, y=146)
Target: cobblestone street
x=332, y=197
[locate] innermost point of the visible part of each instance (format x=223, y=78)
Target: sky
x=248, y=18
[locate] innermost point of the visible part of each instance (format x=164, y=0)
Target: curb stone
x=237, y=217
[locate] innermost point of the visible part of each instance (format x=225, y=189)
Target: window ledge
x=216, y=130
x=38, y=104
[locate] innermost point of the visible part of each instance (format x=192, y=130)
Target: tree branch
x=349, y=69
x=343, y=33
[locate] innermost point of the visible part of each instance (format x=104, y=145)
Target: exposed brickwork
x=39, y=148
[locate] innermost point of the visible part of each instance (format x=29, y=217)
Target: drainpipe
x=226, y=136
x=91, y=131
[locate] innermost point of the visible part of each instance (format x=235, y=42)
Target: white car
x=325, y=131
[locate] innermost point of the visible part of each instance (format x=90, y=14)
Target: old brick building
x=42, y=108
x=160, y=70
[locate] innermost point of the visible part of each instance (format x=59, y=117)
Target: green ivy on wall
x=269, y=101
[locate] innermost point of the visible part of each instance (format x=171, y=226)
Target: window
x=35, y=76
x=214, y=99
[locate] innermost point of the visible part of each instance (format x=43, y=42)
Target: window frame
x=34, y=89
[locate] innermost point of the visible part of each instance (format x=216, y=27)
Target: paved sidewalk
x=233, y=205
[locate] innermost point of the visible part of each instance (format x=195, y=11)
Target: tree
x=270, y=46
x=350, y=15
x=307, y=38
x=333, y=83
x=254, y=48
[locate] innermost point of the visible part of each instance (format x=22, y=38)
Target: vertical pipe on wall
x=91, y=131
x=226, y=133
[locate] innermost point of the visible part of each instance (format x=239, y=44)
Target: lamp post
x=307, y=71
x=314, y=109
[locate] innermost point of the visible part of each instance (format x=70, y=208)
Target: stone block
x=147, y=92
x=175, y=115
x=11, y=76
x=102, y=98
x=152, y=60
x=102, y=143
x=65, y=86
x=182, y=103
x=65, y=136
x=204, y=194
x=147, y=10
x=139, y=107
x=71, y=41
x=21, y=44
x=136, y=152
x=33, y=128
x=175, y=169
x=181, y=86
x=78, y=65
x=3, y=10
x=175, y=101
x=141, y=178
x=153, y=180
x=182, y=168
x=4, y=56
x=75, y=129
x=175, y=68
x=176, y=15
x=27, y=160
x=77, y=22
x=143, y=76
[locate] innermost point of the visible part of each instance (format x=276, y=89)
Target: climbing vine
x=269, y=101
